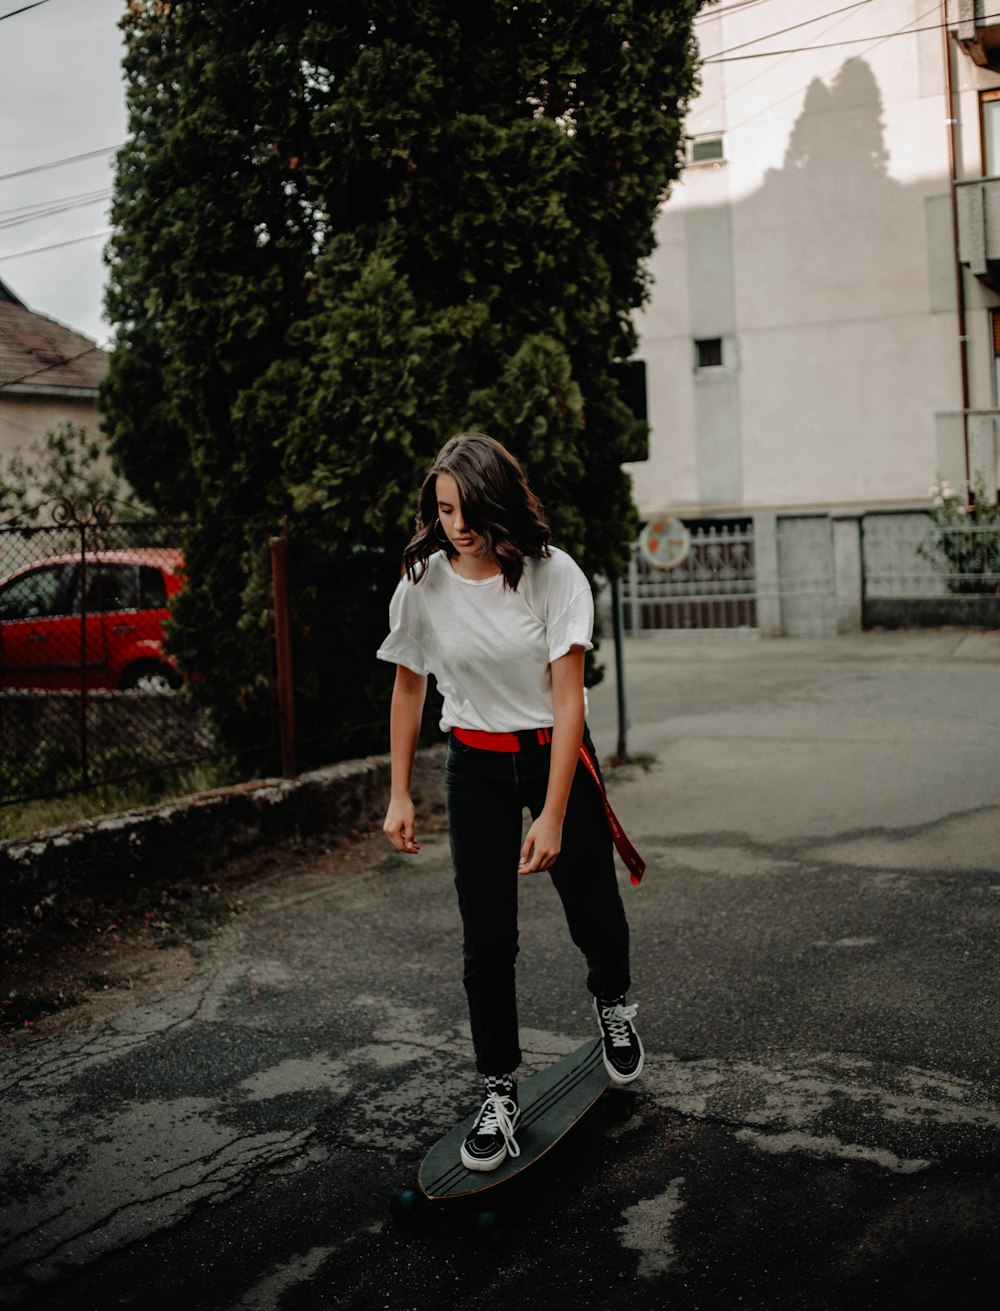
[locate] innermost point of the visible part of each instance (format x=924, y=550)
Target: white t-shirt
x=489, y=648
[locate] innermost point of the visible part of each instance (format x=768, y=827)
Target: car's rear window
x=152, y=588
x=113, y=587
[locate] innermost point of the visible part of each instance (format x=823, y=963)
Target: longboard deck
x=551, y=1102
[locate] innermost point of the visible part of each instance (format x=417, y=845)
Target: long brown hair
x=497, y=505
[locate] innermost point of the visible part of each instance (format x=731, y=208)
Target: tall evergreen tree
x=346, y=231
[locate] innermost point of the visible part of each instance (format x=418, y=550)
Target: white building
x=823, y=340
x=49, y=375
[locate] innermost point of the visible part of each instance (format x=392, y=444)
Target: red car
x=115, y=638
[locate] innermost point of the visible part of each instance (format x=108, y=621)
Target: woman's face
x=449, y=508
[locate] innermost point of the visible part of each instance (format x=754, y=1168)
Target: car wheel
x=150, y=678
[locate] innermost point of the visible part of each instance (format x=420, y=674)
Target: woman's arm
x=544, y=839
x=405, y=714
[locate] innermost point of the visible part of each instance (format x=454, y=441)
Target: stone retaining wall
x=188, y=836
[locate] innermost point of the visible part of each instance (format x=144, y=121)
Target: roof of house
x=37, y=354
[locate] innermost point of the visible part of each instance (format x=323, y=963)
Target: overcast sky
x=60, y=95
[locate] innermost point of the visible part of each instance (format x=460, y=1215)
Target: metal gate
x=714, y=588
x=807, y=586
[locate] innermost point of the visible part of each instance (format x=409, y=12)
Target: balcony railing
x=976, y=25
x=978, y=203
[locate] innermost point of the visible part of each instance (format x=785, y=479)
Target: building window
x=995, y=341
x=708, y=353
x=989, y=109
x=705, y=149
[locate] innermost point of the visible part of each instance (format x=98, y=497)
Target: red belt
x=510, y=742
x=530, y=737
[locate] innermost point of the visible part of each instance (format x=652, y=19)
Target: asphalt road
x=816, y=962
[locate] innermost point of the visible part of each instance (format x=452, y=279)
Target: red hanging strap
x=633, y=861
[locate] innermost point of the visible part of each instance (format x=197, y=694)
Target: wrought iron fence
x=89, y=690
x=713, y=588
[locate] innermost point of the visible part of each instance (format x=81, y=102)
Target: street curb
x=187, y=836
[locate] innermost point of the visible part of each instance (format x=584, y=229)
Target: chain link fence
x=920, y=572
x=90, y=693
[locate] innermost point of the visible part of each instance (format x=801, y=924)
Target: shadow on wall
x=821, y=277
x=831, y=223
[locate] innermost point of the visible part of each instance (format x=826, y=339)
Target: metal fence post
x=278, y=547
x=84, y=738
x=621, y=752
x=634, y=607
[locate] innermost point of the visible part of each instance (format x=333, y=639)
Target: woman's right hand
x=400, y=823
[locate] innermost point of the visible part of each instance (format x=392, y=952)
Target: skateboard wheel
x=404, y=1205
x=487, y=1227
x=621, y=1105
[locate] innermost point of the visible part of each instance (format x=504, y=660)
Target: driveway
x=815, y=954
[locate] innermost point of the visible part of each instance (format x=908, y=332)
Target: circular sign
x=664, y=542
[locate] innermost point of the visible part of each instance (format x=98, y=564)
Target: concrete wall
x=25, y=420
x=820, y=250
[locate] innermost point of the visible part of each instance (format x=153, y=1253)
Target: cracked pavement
x=815, y=953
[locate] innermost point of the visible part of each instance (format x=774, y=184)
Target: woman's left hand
x=541, y=846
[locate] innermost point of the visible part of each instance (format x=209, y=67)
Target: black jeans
x=486, y=793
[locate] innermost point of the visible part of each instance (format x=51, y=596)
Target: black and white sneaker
x=492, y=1138
x=623, y=1054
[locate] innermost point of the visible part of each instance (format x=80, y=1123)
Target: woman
x=503, y=620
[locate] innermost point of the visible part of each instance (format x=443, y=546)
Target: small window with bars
x=706, y=150
x=708, y=353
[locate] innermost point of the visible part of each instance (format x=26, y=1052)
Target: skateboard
x=551, y=1101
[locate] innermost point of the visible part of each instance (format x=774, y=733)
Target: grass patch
x=395, y=860
x=620, y=768
x=30, y=817
x=190, y=914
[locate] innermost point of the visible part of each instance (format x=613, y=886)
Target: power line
x=23, y=10
x=829, y=45
x=729, y=9
x=35, y=205
x=703, y=109
x=43, y=211
x=57, y=245
x=12, y=382
x=782, y=30
x=58, y=163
